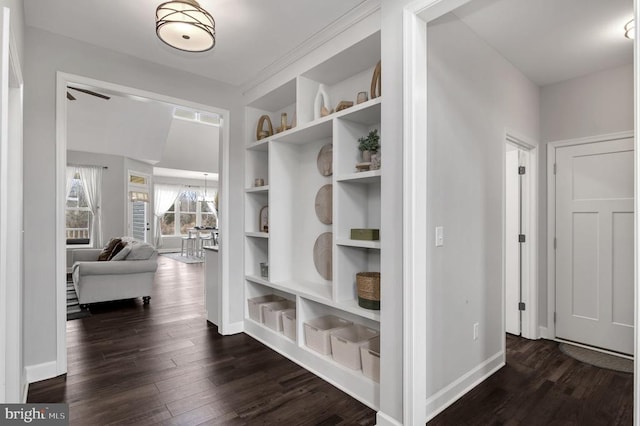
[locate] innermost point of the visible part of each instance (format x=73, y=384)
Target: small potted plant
x=369, y=144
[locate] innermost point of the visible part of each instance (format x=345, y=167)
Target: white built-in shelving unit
x=286, y=161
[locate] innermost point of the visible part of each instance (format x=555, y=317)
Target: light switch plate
x=439, y=236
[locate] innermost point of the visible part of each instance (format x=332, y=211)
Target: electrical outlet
x=476, y=331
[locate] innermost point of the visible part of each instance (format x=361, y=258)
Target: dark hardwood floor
x=542, y=386
x=162, y=364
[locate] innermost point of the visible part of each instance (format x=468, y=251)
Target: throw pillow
x=141, y=251
x=106, y=251
x=122, y=254
x=117, y=249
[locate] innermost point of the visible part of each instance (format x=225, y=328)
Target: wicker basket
x=368, y=284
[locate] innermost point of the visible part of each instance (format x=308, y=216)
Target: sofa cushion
x=122, y=254
x=140, y=251
x=106, y=251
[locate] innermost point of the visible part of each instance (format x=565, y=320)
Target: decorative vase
x=321, y=102
x=366, y=156
x=375, y=161
x=362, y=97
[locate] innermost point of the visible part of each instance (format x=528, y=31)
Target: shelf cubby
x=357, y=206
x=349, y=261
x=294, y=226
x=344, y=76
x=256, y=252
x=254, y=202
x=257, y=167
x=309, y=309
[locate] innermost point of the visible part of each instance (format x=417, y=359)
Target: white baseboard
x=233, y=328
x=38, y=372
x=454, y=391
x=25, y=393
x=384, y=420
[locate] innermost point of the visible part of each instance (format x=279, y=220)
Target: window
x=188, y=211
x=78, y=214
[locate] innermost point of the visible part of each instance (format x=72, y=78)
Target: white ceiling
x=250, y=34
x=554, y=40
x=142, y=130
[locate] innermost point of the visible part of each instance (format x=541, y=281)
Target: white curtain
x=91, y=177
x=163, y=198
x=212, y=196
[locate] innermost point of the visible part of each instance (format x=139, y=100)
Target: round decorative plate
x=322, y=255
x=324, y=204
x=325, y=160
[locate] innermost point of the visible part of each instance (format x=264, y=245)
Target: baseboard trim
x=38, y=372
x=25, y=392
x=384, y=420
x=233, y=328
x=454, y=391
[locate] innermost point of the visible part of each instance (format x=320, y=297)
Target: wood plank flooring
x=162, y=364
x=542, y=386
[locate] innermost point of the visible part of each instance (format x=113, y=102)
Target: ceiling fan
x=88, y=92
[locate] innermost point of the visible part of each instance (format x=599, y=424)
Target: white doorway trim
x=416, y=15
x=62, y=80
x=550, y=331
x=636, y=206
x=12, y=376
x=529, y=296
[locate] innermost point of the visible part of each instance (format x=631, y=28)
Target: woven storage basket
x=368, y=289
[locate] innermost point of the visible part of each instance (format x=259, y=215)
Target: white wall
x=595, y=104
x=46, y=54
x=473, y=94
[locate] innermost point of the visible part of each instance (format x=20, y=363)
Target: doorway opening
x=142, y=97
x=520, y=237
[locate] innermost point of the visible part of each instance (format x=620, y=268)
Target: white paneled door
x=594, y=244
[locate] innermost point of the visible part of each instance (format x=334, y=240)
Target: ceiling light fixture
x=630, y=30
x=184, y=25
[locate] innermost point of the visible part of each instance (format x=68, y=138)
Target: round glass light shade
x=183, y=24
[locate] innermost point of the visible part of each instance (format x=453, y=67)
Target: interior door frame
x=550, y=331
x=529, y=322
x=62, y=80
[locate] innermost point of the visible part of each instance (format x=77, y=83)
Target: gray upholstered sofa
x=101, y=281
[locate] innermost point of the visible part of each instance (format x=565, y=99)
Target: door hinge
x=521, y=238
x=521, y=306
x=555, y=168
x=521, y=170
